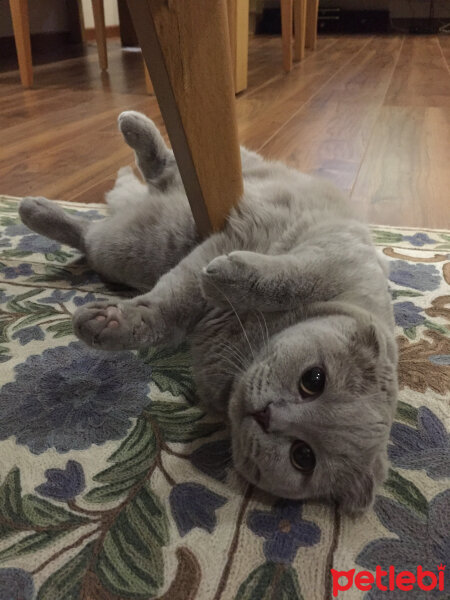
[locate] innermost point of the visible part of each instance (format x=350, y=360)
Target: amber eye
x=302, y=457
x=312, y=382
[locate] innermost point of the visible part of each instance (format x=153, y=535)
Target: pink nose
x=262, y=417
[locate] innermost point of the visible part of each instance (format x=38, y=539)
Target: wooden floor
x=370, y=113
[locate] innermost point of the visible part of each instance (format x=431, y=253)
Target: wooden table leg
x=300, y=29
x=286, y=33
x=21, y=27
x=186, y=46
x=100, y=33
x=312, y=13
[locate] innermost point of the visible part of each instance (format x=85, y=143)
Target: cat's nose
x=262, y=417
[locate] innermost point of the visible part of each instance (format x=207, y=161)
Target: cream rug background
x=115, y=484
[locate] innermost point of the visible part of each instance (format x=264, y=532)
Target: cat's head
x=310, y=417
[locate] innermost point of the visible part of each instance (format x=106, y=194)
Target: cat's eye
x=312, y=382
x=302, y=457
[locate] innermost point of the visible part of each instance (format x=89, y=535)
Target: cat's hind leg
x=47, y=218
x=154, y=159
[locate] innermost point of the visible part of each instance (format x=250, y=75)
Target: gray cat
x=287, y=310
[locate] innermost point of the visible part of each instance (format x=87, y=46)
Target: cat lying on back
x=287, y=310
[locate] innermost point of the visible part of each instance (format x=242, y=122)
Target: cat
x=287, y=310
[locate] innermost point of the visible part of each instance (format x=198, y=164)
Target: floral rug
x=114, y=484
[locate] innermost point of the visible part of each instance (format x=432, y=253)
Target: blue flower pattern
x=284, y=530
x=58, y=297
x=408, y=315
x=194, y=505
x=17, y=229
x=417, y=542
x=22, y=270
x=5, y=298
x=417, y=276
x=90, y=297
x=37, y=243
x=28, y=334
x=419, y=239
x=71, y=397
x=427, y=447
x=16, y=584
x=63, y=484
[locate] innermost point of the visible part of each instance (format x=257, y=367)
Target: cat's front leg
x=253, y=281
x=247, y=280
x=165, y=315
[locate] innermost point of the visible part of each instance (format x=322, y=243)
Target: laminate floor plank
x=371, y=113
x=422, y=77
x=405, y=178
x=262, y=113
x=329, y=135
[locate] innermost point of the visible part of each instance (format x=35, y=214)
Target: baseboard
x=111, y=31
x=45, y=47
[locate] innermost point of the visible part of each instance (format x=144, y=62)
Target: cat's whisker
x=234, y=351
x=234, y=356
x=267, y=329
x=231, y=362
x=237, y=317
x=265, y=334
x=260, y=327
x=242, y=359
x=231, y=371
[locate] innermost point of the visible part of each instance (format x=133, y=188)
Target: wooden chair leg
x=81, y=20
x=21, y=27
x=100, y=33
x=193, y=82
x=286, y=33
x=300, y=29
x=312, y=13
x=148, y=81
x=238, y=14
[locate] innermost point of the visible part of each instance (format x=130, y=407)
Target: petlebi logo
x=389, y=580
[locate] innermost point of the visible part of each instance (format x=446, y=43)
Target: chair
x=301, y=16
x=193, y=79
x=21, y=27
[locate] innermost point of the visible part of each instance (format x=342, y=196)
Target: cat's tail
x=47, y=218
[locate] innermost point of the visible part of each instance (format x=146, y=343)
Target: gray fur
x=292, y=282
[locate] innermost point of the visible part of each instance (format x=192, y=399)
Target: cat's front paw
x=227, y=279
x=109, y=326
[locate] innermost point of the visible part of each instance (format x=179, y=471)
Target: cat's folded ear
x=368, y=337
x=358, y=495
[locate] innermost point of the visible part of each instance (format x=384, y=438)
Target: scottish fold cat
x=287, y=311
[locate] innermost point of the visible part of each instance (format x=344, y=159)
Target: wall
x=398, y=8
x=419, y=9
x=111, y=13
x=45, y=16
